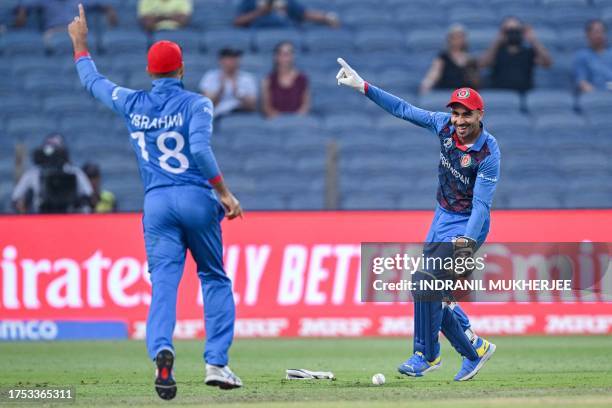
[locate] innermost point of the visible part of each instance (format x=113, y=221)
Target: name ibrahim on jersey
x=467, y=174
x=170, y=131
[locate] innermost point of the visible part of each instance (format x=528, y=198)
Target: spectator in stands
x=53, y=185
x=280, y=13
x=156, y=15
x=593, y=65
x=454, y=67
x=229, y=88
x=285, y=89
x=103, y=201
x=58, y=13
x=513, y=56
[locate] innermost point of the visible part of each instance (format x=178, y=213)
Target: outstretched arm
x=391, y=103
x=101, y=88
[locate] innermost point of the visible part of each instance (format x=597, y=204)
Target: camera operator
x=53, y=185
x=513, y=56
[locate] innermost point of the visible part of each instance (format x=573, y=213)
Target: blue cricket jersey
x=467, y=176
x=170, y=128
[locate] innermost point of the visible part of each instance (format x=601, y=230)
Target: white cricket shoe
x=222, y=377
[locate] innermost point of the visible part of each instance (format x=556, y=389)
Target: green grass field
x=525, y=372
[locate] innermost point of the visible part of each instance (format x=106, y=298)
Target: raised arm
x=101, y=88
x=200, y=132
x=391, y=103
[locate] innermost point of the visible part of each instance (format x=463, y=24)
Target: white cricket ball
x=378, y=379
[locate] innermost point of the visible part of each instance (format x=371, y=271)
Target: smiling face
x=466, y=123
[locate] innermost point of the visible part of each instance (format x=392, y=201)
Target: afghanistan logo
x=463, y=93
x=466, y=160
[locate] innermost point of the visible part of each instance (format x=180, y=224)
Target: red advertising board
x=294, y=273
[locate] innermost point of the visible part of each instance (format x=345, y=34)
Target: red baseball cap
x=468, y=98
x=164, y=56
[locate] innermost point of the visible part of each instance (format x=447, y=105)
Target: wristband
x=81, y=54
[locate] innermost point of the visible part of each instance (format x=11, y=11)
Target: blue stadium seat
x=139, y=80
x=590, y=199
x=124, y=41
x=416, y=201
x=379, y=40
x=285, y=124
x=189, y=40
x=576, y=4
x=425, y=40
x=434, y=101
x=543, y=101
x=345, y=124
x=556, y=123
x=18, y=104
x=535, y=200
x=369, y=201
x=573, y=39
x=32, y=127
x=255, y=142
x=362, y=17
x=240, y=183
x=466, y=16
x=254, y=202
x=266, y=40
x=365, y=143
x=530, y=12
x=325, y=40
x=268, y=162
x=595, y=103
x=212, y=14
x=68, y=104
x=22, y=43
x=508, y=102
x=59, y=44
x=215, y=40
x=480, y=39
x=243, y=124
x=50, y=83
x=416, y=17
x=306, y=202
x=572, y=18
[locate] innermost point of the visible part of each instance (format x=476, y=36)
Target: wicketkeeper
x=467, y=174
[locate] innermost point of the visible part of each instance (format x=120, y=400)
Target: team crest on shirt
x=463, y=93
x=466, y=160
x=448, y=142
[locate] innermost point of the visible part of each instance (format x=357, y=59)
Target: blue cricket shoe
x=417, y=365
x=469, y=368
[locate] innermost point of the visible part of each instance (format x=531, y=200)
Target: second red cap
x=164, y=56
x=468, y=98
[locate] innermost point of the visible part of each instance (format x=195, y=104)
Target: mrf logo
x=463, y=93
x=466, y=160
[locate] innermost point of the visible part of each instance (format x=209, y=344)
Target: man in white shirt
x=229, y=88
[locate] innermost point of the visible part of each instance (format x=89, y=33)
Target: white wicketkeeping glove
x=349, y=77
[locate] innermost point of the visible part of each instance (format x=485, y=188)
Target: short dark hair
x=171, y=74
x=589, y=24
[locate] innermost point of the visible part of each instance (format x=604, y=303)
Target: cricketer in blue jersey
x=170, y=131
x=468, y=173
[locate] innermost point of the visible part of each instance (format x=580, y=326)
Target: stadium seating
x=284, y=163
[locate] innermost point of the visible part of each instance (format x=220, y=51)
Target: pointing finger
x=81, y=12
x=344, y=64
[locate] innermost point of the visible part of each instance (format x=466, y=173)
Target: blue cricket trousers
x=175, y=219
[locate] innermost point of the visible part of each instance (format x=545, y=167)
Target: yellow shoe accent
x=483, y=348
x=431, y=363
